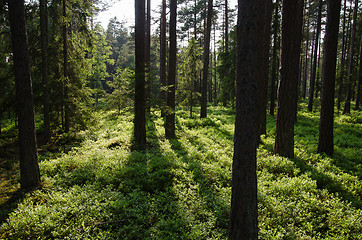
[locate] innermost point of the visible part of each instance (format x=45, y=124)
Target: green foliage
x=122, y=89
x=181, y=188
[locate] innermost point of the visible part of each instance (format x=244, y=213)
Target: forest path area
x=181, y=188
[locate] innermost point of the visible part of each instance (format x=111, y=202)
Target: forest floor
x=95, y=187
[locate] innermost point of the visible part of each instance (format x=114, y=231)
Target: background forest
x=160, y=130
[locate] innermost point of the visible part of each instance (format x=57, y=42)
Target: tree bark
x=343, y=58
x=325, y=142
x=170, y=112
x=44, y=66
x=263, y=72
x=140, y=98
x=347, y=104
x=315, y=60
x=292, y=18
x=244, y=182
x=226, y=27
x=276, y=45
x=358, y=94
x=65, y=70
x=305, y=74
x=163, y=58
x=148, y=57
x=29, y=168
x=206, y=60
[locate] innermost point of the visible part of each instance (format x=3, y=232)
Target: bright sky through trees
x=124, y=11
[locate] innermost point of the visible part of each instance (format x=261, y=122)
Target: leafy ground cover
x=180, y=189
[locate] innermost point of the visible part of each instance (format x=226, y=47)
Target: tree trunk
x=44, y=66
x=276, y=45
x=148, y=57
x=263, y=72
x=140, y=98
x=305, y=74
x=292, y=18
x=163, y=58
x=226, y=27
x=170, y=112
x=65, y=70
x=205, y=72
x=358, y=96
x=325, y=142
x=343, y=58
x=244, y=223
x=317, y=85
x=29, y=169
x=347, y=104
x=315, y=55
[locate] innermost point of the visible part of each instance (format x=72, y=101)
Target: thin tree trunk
x=343, y=58
x=347, y=104
x=29, y=168
x=325, y=142
x=205, y=72
x=148, y=57
x=140, y=98
x=244, y=222
x=292, y=19
x=315, y=55
x=317, y=85
x=305, y=74
x=44, y=66
x=276, y=45
x=358, y=94
x=163, y=58
x=65, y=70
x=226, y=27
x=170, y=113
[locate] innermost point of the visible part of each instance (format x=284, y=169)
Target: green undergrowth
x=181, y=188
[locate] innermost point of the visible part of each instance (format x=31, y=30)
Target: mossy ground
x=181, y=189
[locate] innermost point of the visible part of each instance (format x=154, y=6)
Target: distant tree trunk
x=170, y=112
x=140, y=98
x=263, y=72
x=205, y=72
x=44, y=66
x=163, y=58
x=244, y=222
x=315, y=55
x=325, y=142
x=65, y=70
x=226, y=27
x=29, y=168
x=343, y=58
x=148, y=57
x=305, y=72
x=358, y=96
x=347, y=104
x=276, y=45
x=292, y=18
x=317, y=85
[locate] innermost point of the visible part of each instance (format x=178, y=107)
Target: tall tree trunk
x=292, y=19
x=263, y=72
x=44, y=66
x=244, y=182
x=148, y=57
x=140, y=98
x=205, y=70
x=163, y=58
x=170, y=113
x=305, y=74
x=65, y=70
x=315, y=55
x=226, y=27
x=276, y=45
x=358, y=94
x=347, y=104
x=325, y=142
x=343, y=58
x=317, y=85
x=29, y=168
